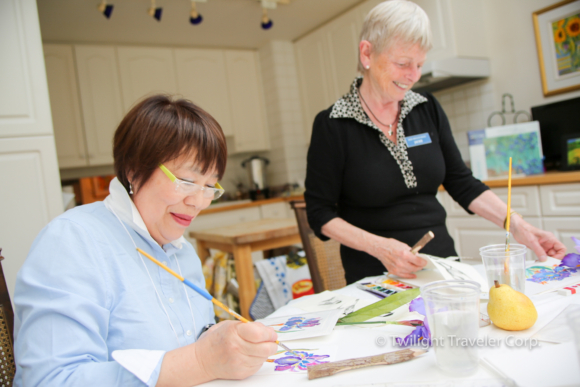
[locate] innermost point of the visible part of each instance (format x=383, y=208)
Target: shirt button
x=164, y=262
x=188, y=333
x=171, y=300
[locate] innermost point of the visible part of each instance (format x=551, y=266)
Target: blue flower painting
x=295, y=324
x=299, y=361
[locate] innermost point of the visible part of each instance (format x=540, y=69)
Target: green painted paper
x=383, y=306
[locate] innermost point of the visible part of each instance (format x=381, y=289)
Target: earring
x=368, y=67
x=130, y=189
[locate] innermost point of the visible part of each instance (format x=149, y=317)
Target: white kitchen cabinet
x=201, y=78
x=69, y=133
x=449, y=21
x=560, y=199
x=101, y=101
x=564, y=228
x=145, y=71
x=247, y=102
x=342, y=35
x=474, y=232
x=316, y=90
x=31, y=192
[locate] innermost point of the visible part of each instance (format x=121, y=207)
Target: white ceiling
x=226, y=24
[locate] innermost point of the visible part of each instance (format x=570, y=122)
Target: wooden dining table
x=241, y=240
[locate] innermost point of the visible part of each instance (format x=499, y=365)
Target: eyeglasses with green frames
x=189, y=188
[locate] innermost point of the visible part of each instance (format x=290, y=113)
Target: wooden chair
x=7, y=365
x=323, y=258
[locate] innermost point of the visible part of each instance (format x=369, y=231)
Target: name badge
x=418, y=139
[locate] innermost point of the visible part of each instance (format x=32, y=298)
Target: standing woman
x=91, y=311
x=379, y=154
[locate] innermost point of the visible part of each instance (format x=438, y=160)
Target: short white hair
x=396, y=20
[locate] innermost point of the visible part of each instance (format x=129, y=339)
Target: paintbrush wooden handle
x=422, y=242
x=327, y=369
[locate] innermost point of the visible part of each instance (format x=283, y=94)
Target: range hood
x=444, y=73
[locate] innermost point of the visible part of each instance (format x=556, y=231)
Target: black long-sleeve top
x=354, y=172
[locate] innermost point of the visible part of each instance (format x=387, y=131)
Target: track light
x=105, y=9
x=194, y=16
x=267, y=23
x=155, y=12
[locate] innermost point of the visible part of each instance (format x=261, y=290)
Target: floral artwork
x=421, y=334
x=294, y=324
x=570, y=264
x=567, y=44
x=303, y=325
x=298, y=361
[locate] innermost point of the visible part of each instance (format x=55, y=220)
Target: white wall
x=511, y=48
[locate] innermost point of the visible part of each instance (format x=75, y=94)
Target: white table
x=358, y=342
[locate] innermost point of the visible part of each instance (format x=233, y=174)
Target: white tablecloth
x=354, y=341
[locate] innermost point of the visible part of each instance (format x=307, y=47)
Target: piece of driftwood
x=327, y=369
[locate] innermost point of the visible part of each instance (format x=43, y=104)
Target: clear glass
x=452, y=309
x=513, y=273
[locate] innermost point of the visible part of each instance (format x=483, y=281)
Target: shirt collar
x=349, y=105
x=119, y=202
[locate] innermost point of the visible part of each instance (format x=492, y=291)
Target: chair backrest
x=323, y=258
x=7, y=365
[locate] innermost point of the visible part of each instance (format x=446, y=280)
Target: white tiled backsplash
x=468, y=107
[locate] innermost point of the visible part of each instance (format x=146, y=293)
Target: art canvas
x=285, y=362
x=303, y=325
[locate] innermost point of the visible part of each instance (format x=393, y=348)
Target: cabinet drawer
x=525, y=200
x=276, y=210
x=560, y=199
x=472, y=233
x=564, y=228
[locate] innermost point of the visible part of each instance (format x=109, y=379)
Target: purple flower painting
x=421, y=334
x=299, y=362
x=297, y=323
x=543, y=275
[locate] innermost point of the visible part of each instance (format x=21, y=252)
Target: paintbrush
x=422, y=242
x=327, y=369
x=206, y=295
x=506, y=265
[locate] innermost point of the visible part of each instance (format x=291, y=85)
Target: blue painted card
x=418, y=139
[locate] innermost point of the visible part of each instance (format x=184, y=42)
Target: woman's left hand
x=542, y=243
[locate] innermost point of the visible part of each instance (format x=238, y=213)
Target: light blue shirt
x=85, y=292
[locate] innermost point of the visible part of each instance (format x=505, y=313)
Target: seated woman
x=91, y=311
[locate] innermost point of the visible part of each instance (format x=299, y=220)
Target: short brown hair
x=159, y=129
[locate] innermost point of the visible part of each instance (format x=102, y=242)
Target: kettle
x=256, y=167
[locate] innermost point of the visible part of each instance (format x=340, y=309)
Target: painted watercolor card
x=303, y=325
x=551, y=275
x=285, y=362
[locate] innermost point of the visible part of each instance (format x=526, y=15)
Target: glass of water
x=506, y=267
x=452, y=309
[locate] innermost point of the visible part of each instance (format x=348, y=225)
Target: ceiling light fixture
x=105, y=9
x=267, y=23
x=195, y=17
x=154, y=11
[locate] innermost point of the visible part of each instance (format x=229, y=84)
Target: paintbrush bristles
x=327, y=369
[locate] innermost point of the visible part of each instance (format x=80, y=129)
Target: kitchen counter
x=236, y=205
x=543, y=179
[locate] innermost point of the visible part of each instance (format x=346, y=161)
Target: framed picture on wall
x=557, y=30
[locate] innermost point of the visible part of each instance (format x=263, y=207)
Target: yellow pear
x=509, y=309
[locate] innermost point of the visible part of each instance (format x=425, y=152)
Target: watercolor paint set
x=383, y=287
